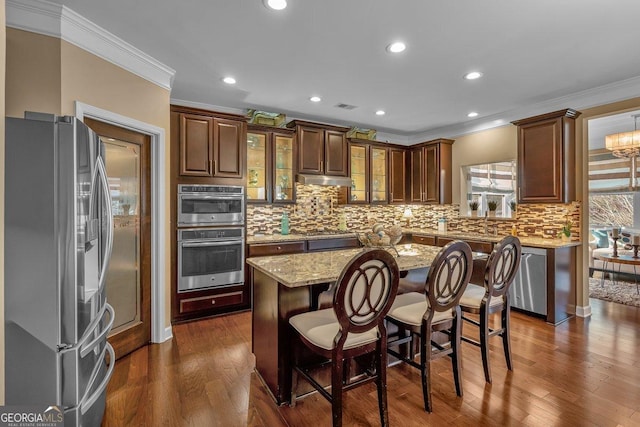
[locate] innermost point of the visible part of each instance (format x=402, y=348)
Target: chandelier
x=625, y=144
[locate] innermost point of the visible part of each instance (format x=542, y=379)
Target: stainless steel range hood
x=343, y=181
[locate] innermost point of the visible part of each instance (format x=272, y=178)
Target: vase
x=474, y=213
x=565, y=238
x=492, y=213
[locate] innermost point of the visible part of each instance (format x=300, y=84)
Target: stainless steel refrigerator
x=58, y=239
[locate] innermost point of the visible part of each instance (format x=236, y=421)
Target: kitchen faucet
x=486, y=214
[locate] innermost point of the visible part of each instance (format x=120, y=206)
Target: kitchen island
x=286, y=285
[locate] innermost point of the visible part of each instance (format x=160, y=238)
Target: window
x=489, y=182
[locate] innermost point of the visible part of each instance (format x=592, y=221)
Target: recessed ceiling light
x=396, y=47
x=229, y=80
x=315, y=99
x=473, y=75
x=275, y=4
x=380, y=113
x=472, y=114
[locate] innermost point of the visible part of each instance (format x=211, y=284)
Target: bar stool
x=493, y=297
x=354, y=326
x=433, y=310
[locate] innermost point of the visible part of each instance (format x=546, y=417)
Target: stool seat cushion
x=321, y=327
x=472, y=297
x=410, y=309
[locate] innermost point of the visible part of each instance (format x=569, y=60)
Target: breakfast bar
x=285, y=285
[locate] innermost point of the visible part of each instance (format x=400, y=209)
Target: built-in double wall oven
x=211, y=236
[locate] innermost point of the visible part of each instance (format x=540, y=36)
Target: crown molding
x=601, y=95
x=211, y=107
x=381, y=135
x=51, y=19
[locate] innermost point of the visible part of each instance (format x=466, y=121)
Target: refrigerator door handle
x=88, y=403
x=85, y=348
x=107, y=195
x=91, y=229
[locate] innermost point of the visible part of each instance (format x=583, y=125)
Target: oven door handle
x=199, y=197
x=216, y=243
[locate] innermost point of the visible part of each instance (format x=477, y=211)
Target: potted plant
x=474, y=207
x=565, y=233
x=492, y=205
x=513, y=205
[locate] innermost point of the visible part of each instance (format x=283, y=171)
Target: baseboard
x=583, y=311
x=168, y=333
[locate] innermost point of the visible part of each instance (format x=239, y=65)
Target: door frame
x=159, y=333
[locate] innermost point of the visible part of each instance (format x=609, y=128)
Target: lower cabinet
x=211, y=302
x=189, y=305
x=476, y=245
x=425, y=240
x=283, y=248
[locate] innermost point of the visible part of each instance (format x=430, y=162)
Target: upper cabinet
x=431, y=172
x=546, y=157
x=369, y=170
x=397, y=175
x=209, y=144
x=416, y=175
x=322, y=149
x=270, y=165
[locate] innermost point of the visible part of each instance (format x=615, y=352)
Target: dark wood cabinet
x=207, y=147
x=369, y=170
x=229, y=137
x=270, y=165
x=280, y=248
x=431, y=172
x=196, y=145
x=397, y=175
x=424, y=240
x=546, y=157
x=209, y=144
x=416, y=175
x=322, y=149
x=197, y=304
x=476, y=245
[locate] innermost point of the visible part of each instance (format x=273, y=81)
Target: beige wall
x=493, y=145
x=2, y=114
x=48, y=75
x=33, y=73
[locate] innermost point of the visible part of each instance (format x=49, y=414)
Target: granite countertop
x=275, y=238
x=305, y=269
x=536, y=242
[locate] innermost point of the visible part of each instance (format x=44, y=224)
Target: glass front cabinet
x=270, y=165
x=368, y=165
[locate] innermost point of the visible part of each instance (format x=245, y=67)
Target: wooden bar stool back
x=354, y=326
x=434, y=310
x=493, y=297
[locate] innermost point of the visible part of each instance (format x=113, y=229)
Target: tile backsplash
x=317, y=208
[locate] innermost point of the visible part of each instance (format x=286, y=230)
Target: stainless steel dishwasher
x=529, y=289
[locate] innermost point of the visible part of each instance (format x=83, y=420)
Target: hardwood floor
x=584, y=372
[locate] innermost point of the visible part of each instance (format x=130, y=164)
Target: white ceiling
x=534, y=55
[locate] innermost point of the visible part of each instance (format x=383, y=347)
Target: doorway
x=613, y=202
x=128, y=164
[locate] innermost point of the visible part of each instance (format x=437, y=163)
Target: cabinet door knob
x=279, y=248
x=213, y=302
